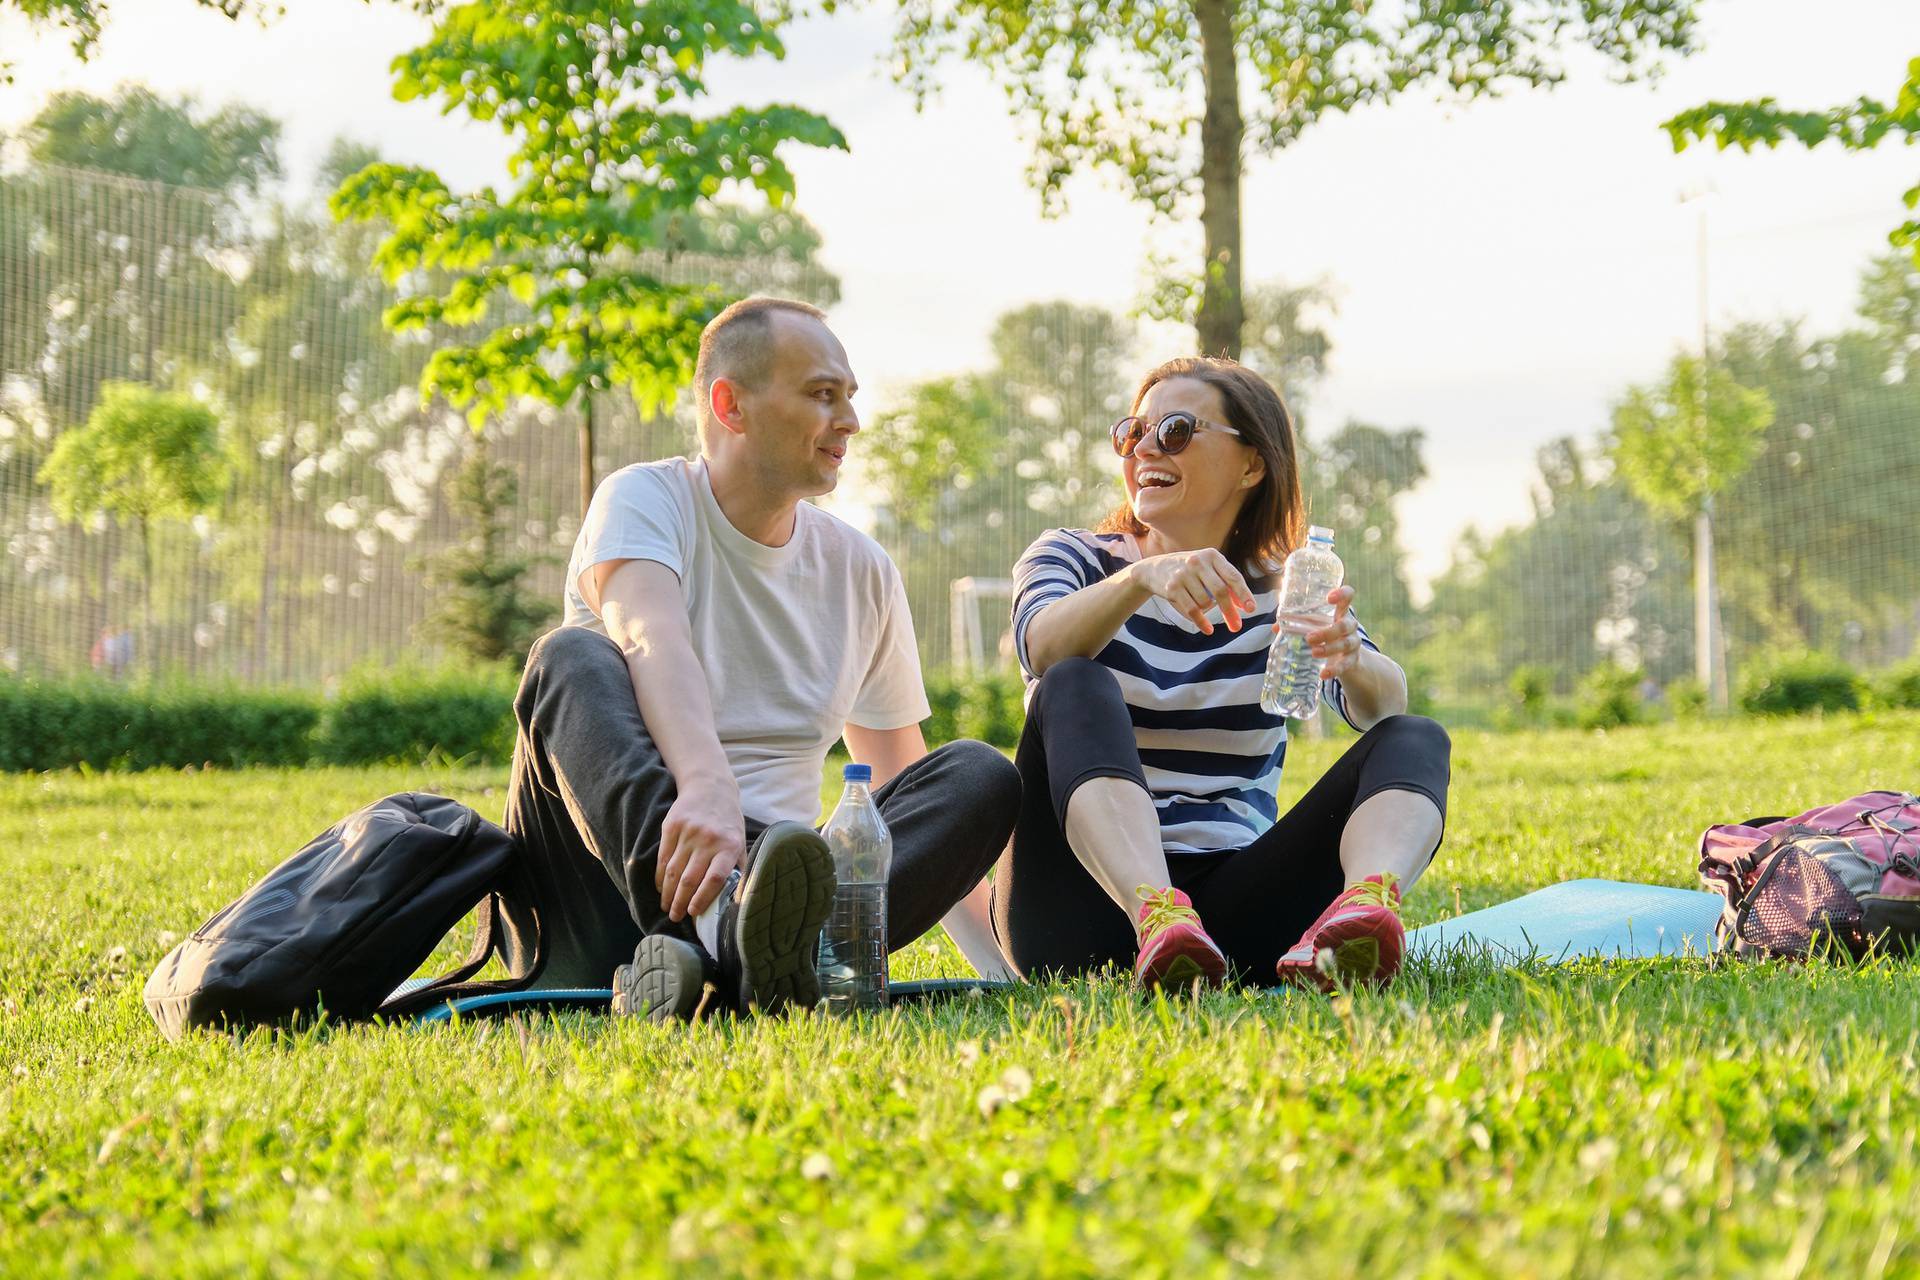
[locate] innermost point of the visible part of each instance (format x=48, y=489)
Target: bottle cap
x=1319, y=533
x=857, y=773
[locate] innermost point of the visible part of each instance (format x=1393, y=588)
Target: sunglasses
x=1172, y=433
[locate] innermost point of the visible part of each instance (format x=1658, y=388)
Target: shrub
x=1795, y=683
x=1688, y=698
x=1531, y=688
x=1608, y=697
x=982, y=704
x=63, y=723
x=1898, y=686
x=384, y=716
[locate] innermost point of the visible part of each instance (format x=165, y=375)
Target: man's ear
x=723, y=403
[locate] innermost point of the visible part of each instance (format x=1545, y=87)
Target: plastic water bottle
x=1292, y=686
x=853, y=946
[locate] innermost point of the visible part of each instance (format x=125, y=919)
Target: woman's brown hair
x=1273, y=517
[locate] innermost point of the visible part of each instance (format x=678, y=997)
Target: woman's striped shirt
x=1212, y=756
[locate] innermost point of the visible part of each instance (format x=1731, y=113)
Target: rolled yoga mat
x=1581, y=919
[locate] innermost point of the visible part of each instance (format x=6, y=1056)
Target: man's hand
x=701, y=841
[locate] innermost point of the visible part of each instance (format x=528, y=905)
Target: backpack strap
x=456, y=983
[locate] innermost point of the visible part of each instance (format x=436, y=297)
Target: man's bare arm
x=703, y=837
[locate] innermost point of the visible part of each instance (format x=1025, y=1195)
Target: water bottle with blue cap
x=853, y=946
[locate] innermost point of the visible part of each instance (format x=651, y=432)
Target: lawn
x=1644, y=1119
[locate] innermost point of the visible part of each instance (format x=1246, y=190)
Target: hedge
x=377, y=717
x=404, y=716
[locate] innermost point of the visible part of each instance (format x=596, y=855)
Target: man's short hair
x=737, y=345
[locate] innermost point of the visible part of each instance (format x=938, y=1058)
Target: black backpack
x=343, y=924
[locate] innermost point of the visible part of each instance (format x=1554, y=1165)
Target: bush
x=1898, y=686
x=1531, y=688
x=380, y=717
x=1608, y=697
x=984, y=704
x=62, y=724
x=1688, y=698
x=1795, y=683
x=404, y=716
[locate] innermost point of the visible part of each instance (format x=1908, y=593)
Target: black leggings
x=1052, y=916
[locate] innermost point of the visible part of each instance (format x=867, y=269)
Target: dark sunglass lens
x=1176, y=429
x=1126, y=434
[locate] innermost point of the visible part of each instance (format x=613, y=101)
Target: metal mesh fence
x=312, y=562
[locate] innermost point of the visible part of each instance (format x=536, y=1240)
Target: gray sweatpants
x=589, y=791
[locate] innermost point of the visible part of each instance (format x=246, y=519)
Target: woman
x=1149, y=832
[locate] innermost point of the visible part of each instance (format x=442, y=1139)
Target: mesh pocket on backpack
x=1796, y=901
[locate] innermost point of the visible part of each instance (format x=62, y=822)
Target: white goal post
x=965, y=598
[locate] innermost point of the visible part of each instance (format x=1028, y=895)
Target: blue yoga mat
x=1582, y=919
x=1579, y=919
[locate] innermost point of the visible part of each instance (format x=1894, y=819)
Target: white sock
x=707, y=926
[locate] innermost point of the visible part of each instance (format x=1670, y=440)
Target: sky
x=1503, y=269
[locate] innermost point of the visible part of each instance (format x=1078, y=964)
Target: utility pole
x=1709, y=637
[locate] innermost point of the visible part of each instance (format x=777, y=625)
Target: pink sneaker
x=1357, y=940
x=1174, y=949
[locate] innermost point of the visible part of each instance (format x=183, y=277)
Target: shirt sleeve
x=893, y=695
x=1053, y=568
x=634, y=516
x=1334, y=694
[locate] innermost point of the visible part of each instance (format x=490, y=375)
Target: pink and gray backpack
x=1845, y=875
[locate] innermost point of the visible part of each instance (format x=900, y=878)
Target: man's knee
x=988, y=776
x=566, y=648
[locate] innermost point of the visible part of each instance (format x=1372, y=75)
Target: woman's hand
x=1193, y=582
x=1337, y=644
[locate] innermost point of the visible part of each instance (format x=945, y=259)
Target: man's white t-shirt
x=795, y=640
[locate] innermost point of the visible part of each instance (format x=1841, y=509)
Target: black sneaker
x=770, y=920
x=665, y=981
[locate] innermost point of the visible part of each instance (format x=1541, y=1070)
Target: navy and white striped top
x=1212, y=756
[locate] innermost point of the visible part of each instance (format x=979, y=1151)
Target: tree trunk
x=1222, y=132
x=586, y=451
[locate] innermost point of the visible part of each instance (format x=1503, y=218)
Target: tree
x=1173, y=95
x=481, y=605
x=144, y=286
x=1590, y=579
x=970, y=469
x=83, y=19
x=142, y=457
x=587, y=92
x=1283, y=339
x=778, y=242
x=234, y=150
x=1676, y=445
x=1860, y=125
x=1352, y=481
x=1816, y=537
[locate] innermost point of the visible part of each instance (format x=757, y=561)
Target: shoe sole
x=1353, y=963
x=783, y=904
x=1183, y=970
x=663, y=984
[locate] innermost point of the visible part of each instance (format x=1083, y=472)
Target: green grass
x=1644, y=1119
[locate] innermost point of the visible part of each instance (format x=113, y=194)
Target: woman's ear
x=1256, y=470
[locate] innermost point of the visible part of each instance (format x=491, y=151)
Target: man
x=721, y=633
